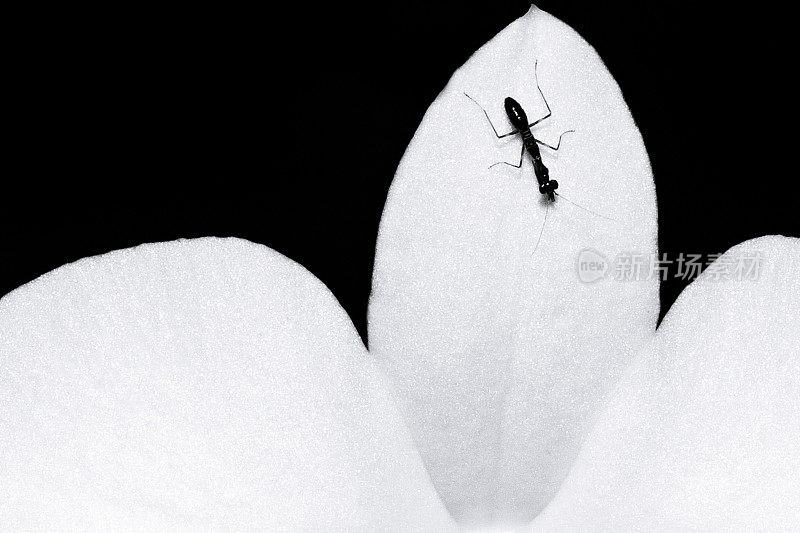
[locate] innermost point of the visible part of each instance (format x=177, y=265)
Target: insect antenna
x=585, y=208
x=541, y=231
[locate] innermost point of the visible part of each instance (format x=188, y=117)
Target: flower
x=216, y=384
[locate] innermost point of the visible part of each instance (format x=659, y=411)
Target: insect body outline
x=519, y=120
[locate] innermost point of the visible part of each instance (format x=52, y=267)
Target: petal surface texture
x=499, y=352
x=197, y=384
x=703, y=433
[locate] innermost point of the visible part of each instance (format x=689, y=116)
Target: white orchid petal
x=499, y=353
x=703, y=433
x=197, y=384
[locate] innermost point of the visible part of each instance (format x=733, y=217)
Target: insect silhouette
x=519, y=120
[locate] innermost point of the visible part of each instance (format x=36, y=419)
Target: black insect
x=530, y=143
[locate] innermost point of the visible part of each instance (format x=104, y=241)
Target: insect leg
x=549, y=112
x=521, y=156
x=490, y=120
x=558, y=145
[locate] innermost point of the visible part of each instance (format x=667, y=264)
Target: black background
x=137, y=125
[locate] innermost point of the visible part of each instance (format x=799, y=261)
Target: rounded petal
x=197, y=384
x=703, y=433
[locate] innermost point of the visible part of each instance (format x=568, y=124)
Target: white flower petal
x=499, y=353
x=704, y=432
x=197, y=384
